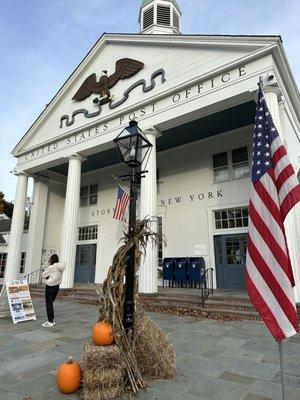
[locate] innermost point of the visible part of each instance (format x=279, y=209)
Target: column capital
x=21, y=173
x=38, y=178
x=273, y=89
x=152, y=131
x=76, y=156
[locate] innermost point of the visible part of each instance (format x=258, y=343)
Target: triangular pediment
x=169, y=62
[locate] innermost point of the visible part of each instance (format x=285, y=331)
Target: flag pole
x=280, y=346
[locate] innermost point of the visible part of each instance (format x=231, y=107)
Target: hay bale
x=107, y=378
x=103, y=357
x=154, y=354
x=103, y=372
x=99, y=394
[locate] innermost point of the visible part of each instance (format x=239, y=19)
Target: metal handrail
x=207, y=290
x=34, y=277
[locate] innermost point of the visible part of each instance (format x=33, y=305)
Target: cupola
x=160, y=17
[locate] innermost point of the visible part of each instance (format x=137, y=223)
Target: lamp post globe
x=132, y=145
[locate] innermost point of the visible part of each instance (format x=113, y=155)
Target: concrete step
x=235, y=314
x=210, y=304
x=226, y=299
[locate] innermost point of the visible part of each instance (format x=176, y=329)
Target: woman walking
x=52, y=276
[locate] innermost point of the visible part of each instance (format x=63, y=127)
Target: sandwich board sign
x=19, y=300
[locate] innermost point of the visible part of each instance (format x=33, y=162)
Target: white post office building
x=194, y=98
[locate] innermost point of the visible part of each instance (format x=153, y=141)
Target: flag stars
x=260, y=117
x=267, y=154
x=267, y=145
x=258, y=144
x=267, y=163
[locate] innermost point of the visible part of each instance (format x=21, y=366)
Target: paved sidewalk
x=215, y=360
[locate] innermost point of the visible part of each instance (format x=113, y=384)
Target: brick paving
x=232, y=360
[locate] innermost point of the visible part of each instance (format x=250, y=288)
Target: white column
x=148, y=202
x=16, y=231
x=36, y=226
x=69, y=226
x=272, y=95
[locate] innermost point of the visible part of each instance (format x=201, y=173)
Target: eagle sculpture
x=125, y=68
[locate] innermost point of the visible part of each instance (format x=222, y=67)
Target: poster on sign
x=19, y=300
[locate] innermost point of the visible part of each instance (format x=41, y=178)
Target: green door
x=85, y=263
x=230, y=256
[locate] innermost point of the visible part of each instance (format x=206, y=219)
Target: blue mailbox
x=168, y=271
x=181, y=265
x=196, y=269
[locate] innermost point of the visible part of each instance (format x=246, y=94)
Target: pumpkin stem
x=70, y=360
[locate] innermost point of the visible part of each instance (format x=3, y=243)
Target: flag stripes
x=121, y=204
x=275, y=190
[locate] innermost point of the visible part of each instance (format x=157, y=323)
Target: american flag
x=274, y=191
x=121, y=204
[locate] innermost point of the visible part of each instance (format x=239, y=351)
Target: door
x=85, y=263
x=230, y=255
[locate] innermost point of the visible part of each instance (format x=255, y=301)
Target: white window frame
x=230, y=163
x=227, y=209
x=89, y=195
x=88, y=241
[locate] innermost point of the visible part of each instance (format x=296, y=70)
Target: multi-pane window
x=160, y=242
x=231, y=218
x=89, y=195
x=240, y=163
x=231, y=164
x=2, y=264
x=88, y=232
x=236, y=251
x=22, y=265
x=221, y=167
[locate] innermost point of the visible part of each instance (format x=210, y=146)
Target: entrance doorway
x=85, y=263
x=230, y=255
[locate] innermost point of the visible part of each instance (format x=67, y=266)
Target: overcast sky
x=43, y=41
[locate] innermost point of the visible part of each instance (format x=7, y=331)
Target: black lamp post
x=133, y=148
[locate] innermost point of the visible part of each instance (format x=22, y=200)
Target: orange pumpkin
x=102, y=334
x=68, y=377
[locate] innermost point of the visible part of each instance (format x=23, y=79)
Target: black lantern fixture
x=133, y=148
x=132, y=145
